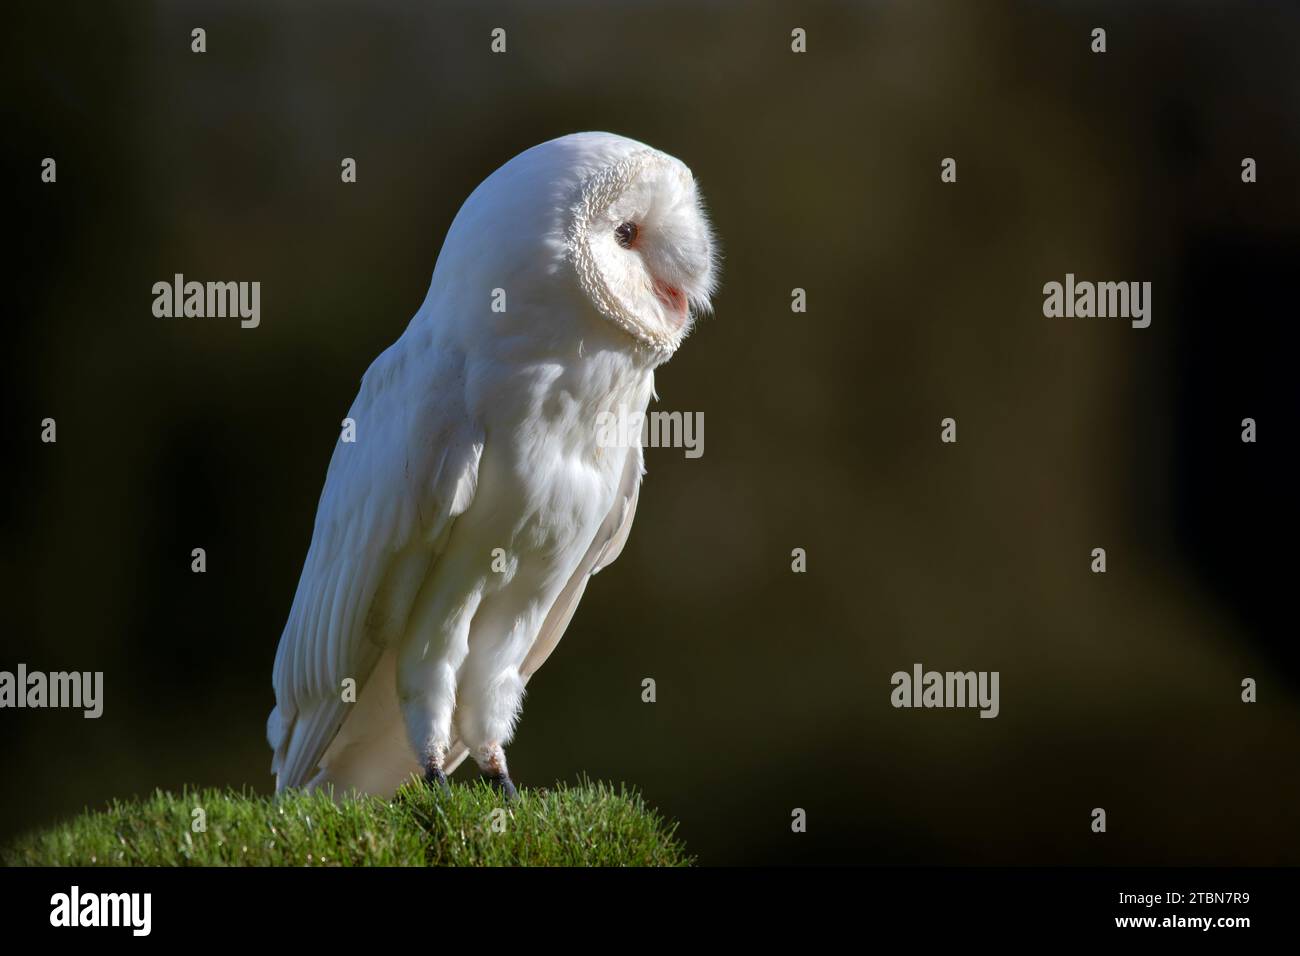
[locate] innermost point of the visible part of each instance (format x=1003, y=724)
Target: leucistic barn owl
x=459, y=527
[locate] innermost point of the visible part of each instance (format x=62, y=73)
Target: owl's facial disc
x=672, y=301
x=646, y=253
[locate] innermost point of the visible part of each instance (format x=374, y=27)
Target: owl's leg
x=426, y=692
x=436, y=643
x=489, y=706
x=427, y=696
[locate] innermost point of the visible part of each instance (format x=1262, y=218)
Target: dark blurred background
x=821, y=171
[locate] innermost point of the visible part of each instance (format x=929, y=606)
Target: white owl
x=456, y=534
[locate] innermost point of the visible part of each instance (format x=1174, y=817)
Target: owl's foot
x=502, y=784
x=435, y=778
x=491, y=762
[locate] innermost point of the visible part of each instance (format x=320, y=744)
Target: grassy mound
x=584, y=825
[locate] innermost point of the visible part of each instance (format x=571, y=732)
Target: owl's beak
x=674, y=301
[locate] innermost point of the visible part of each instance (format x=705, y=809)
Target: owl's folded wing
x=389, y=502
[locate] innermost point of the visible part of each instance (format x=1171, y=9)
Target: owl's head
x=641, y=245
x=588, y=228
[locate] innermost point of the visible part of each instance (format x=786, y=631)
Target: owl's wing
x=389, y=502
x=605, y=548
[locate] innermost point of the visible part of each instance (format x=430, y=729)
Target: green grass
x=583, y=825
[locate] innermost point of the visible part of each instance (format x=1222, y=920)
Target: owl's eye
x=625, y=234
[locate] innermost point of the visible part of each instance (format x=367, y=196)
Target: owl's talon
x=502, y=784
x=435, y=778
